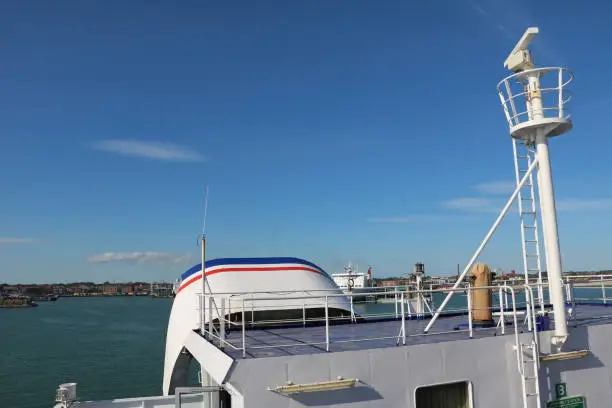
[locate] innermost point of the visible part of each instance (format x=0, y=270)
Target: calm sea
x=113, y=347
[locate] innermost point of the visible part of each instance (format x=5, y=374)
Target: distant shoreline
x=96, y=295
x=22, y=306
x=19, y=303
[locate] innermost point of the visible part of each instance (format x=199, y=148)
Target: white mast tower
x=534, y=112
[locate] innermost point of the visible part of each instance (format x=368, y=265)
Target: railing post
x=506, y=298
x=528, y=306
x=211, y=325
x=304, y=312
x=502, y=319
x=252, y=310
x=407, y=301
x=326, y=324
x=395, y=302
x=403, y=321
x=469, y=304
x=572, y=298
x=541, y=299
x=200, y=316
x=352, y=311
x=560, y=96
x=243, y=331
x=516, y=333
x=531, y=314
x=229, y=312
x=222, y=324
x=603, y=290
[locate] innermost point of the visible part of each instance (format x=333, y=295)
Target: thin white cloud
x=477, y=8
x=139, y=257
x=490, y=19
x=496, y=187
x=472, y=204
x=150, y=150
x=15, y=241
x=482, y=204
x=574, y=204
x=390, y=220
x=410, y=219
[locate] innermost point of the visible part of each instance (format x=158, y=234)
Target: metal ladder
x=529, y=366
x=524, y=155
x=528, y=357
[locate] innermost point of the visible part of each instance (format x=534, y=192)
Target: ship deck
x=264, y=342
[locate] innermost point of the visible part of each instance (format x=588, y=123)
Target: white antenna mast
x=205, y=210
x=532, y=125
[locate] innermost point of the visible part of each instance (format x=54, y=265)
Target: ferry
x=352, y=282
x=280, y=332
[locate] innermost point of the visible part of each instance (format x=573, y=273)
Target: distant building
x=391, y=283
x=60, y=290
x=109, y=289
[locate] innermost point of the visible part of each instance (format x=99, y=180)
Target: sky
x=332, y=131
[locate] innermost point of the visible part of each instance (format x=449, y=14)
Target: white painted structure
x=532, y=122
x=238, y=285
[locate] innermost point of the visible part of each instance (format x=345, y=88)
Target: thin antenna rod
x=205, y=210
x=203, y=263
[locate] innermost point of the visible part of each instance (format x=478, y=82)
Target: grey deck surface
x=274, y=342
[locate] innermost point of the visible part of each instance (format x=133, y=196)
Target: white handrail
x=403, y=326
x=515, y=320
x=469, y=305
x=326, y=324
x=502, y=305
x=243, y=332
x=532, y=320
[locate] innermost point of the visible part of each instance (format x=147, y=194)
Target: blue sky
x=328, y=130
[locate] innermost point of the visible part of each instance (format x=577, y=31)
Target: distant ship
x=46, y=298
x=351, y=281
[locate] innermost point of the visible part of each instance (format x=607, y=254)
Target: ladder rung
x=532, y=395
x=529, y=212
x=533, y=270
x=531, y=240
x=527, y=198
x=531, y=256
x=528, y=226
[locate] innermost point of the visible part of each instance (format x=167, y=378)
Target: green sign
x=561, y=390
x=567, y=402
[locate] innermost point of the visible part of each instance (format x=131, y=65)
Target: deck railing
x=234, y=315
x=410, y=308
